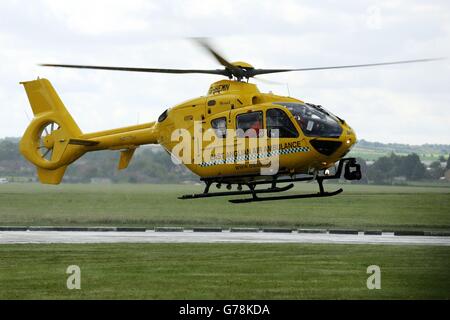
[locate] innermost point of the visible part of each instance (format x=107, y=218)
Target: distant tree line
x=394, y=169
x=147, y=166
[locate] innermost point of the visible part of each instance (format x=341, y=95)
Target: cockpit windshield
x=314, y=120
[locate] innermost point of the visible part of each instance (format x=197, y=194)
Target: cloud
x=407, y=103
x=102, y=16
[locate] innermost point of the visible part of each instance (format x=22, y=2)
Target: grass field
x=224, y=271
x=362, y=207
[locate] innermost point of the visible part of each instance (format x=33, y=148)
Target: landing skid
x=294, y=196
x=352, y=172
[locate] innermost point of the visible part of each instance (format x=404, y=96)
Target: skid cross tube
x=252, y=191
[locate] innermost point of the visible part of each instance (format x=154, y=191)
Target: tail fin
x=53, y=140
x=47, y=141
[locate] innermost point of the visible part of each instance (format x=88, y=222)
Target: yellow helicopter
x=304, y=139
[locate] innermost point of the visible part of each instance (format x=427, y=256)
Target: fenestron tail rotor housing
x=47, y=138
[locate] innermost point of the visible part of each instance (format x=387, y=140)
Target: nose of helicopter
x=348, y=138
x=331, y=150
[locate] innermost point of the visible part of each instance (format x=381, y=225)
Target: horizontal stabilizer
x=125, y=158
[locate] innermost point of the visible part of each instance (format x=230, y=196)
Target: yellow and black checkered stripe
x=253, y=156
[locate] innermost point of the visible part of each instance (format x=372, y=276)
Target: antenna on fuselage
x=287, y=86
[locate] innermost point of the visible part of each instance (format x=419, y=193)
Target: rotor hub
x=49, y=141
x=242, y=65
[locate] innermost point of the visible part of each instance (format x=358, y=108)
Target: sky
x=404, y=103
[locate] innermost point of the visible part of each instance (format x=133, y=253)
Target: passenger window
x=278, y=119
x=220, y=127
x=249, y=124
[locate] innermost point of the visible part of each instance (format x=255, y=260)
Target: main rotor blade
x=205, y=44
x=278, y=83
x=255, y=72
x=157, y=70
x=236, y=71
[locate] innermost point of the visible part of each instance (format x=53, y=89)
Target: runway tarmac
x=45, y=237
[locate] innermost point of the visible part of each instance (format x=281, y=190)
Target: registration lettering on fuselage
x=218, y=88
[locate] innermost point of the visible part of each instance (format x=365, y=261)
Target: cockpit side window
x=279, y=125
x=220, y=127
x=314, y=120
